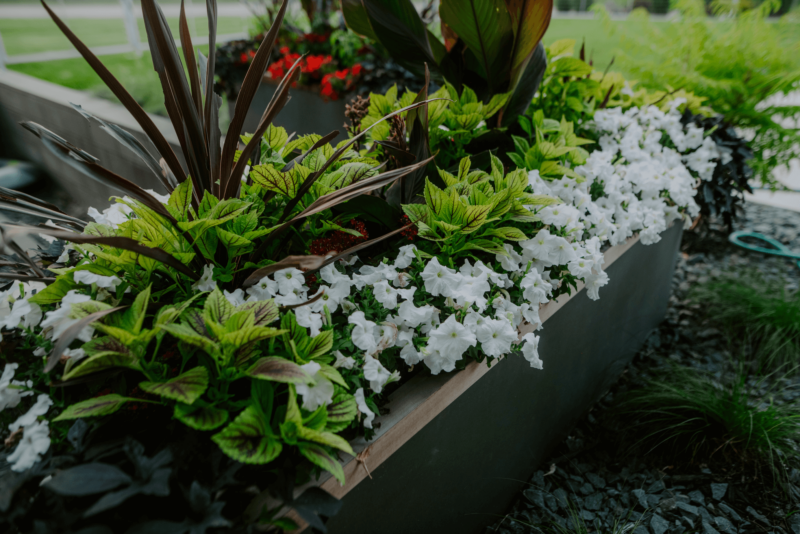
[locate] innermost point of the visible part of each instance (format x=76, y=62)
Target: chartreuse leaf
x=317, y=455
x=271, y=179
x=474, y=218
x=332, y=374
x=248, y=439
x=265, y=311
x=276, y=137
x=326, y=438
x=200, y=418
x=189, y=336
x=231, y=240
x=94, y=407
x=343, y=409
x=53, y=293
x=249, y=335
x=217, y=307
x=278, y=369
x=133, y=318
x=180, y=200
x=320, y=345
x=485, y=245
x=186, y=387
x=508, y=233
x=102, y=361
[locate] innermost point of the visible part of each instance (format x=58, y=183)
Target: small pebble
x=718, y=491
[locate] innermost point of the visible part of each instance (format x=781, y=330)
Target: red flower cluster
x=247, y=57
x=341, y=81
x=340, y=241
x=311, y=65
x=408, y=233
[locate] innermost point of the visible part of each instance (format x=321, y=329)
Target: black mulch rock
x=593, y=479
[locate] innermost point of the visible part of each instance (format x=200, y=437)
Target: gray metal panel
x=462, y=471
x=305, y=113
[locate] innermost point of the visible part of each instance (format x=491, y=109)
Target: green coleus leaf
x=231, y=240
x=294, y=331
x=320, y=344
x=417, y=213
x=104, y=344
x=200, y=418
x=348, y=174
x=132, y=319
x=82, y=309
x=55, y=292
x=250, y=334
x=248, y=439
x=102, y=361
x=474, y=217
x=190, y=337
x=317, y=455
x=264, y=311
x=317, y=419
x=217, y=307
x=508, y=233
x=343, y=409
x=278, y=369
x=276, y=137
x=180, y=200
x=271, y=179
x=207, y=204
x=325, y=438
x=185, y=388
x=484, y=245
x=333, y=375
x=94, y=407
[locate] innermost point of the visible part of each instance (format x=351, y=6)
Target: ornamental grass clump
x=692, y=416
x=758, y=313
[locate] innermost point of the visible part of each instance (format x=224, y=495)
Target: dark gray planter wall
x=306, y=112
x=25, y=98
x=465, y=467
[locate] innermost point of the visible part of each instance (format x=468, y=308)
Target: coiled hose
x=779, y=248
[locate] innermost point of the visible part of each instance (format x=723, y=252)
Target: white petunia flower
x=365, y=332
x=535, y=289
x=451, y=339
x=42, y=405
x=308, y=319
x=206, y=282
x=593, y=284
x=264, y=289
x=89, y=278
x=361, y=402
x=530, y=350
x=405, y=257
x=376, y=373
x=439, y=280
x=319, y=394
x=22, y=314
x=59, y=320
x=74, y=354
x=236, y=298
x=385, y=294
x=11, y=391
x=496, y=337
x=413, y=316
x=345, y=362
x=112, y=216
x=34, y=443
x=289, y=280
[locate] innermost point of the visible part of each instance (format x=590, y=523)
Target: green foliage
x=552, y=148
x=689, y=412
x=453, y=121
x=742, y=67
x=759, y=313
x=488, y=45
x=476, y=211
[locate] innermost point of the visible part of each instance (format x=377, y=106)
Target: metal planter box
x=455, y=449
x=306, y=112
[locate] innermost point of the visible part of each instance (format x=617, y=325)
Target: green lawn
x=29, y=36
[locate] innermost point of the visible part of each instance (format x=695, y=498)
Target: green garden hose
x=779, y=250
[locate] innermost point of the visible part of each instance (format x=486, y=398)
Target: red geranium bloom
x=276, y=70
x=356, y=69
x=243, y=58
x=341, y=74
x=313, y=63
x=284, y=50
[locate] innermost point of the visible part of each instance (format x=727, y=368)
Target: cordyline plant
x=491, y=46
x=231, y=218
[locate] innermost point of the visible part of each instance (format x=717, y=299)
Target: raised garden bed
x=456, y=448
